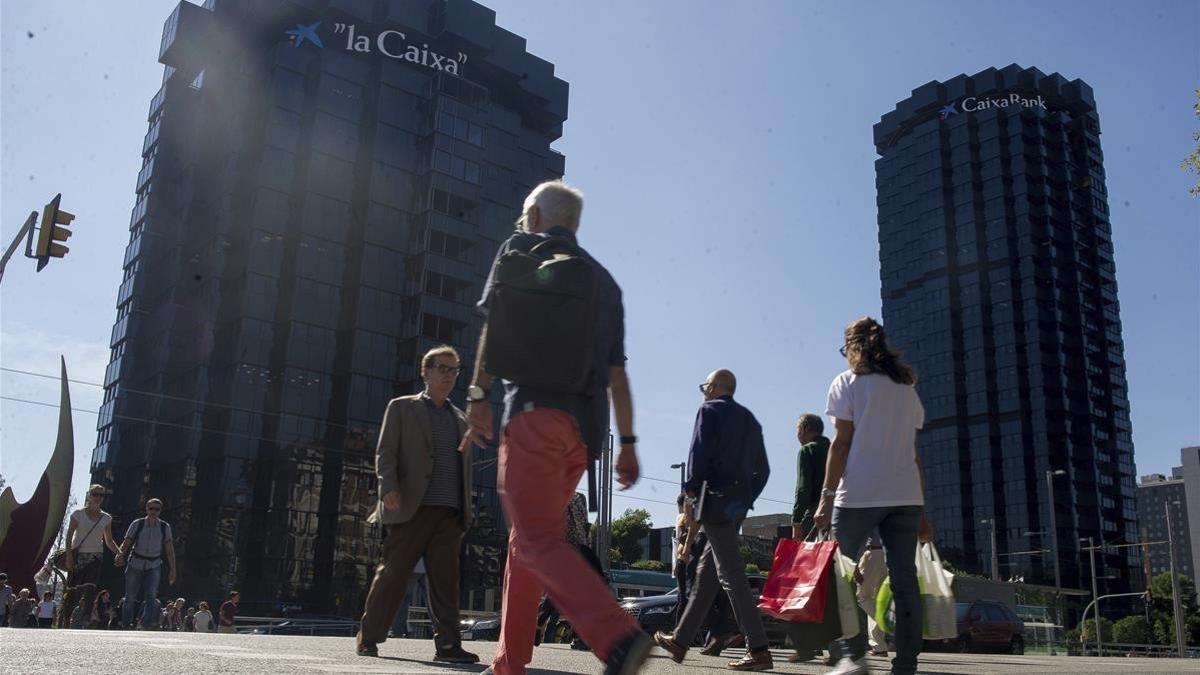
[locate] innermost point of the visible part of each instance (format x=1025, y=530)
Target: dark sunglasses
x=704, y=388
x=446, y=370
x=842, y=350
x=154, y=509
x=96, y=494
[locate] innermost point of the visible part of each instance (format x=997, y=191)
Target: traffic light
x=50, y=234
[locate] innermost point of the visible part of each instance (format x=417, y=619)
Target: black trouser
x=81, y=589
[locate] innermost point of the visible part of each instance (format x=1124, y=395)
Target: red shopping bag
x=797, y=588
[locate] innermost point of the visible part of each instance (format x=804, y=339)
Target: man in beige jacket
x=424, y=507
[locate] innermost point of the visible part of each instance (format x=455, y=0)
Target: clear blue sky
x=725, y=151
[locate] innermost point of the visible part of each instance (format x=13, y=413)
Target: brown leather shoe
x=759, y=660
x=455, y=655
x=714, y=647
x=668, y=644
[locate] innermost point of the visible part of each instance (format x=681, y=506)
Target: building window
x=441, y=328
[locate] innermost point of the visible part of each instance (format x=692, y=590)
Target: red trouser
x=541, y=460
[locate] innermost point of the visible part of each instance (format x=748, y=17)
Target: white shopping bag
x=937, y=598
x=847, y=597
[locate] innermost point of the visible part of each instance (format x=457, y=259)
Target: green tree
x=753, y=569
x=1132, y=630
x=650, y=565
x=1162, y=607
x=1087, y=630
x=628, y=531
x=1191, y=163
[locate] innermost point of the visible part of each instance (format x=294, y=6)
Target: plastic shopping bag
x=797, y=588
x=847, y=597
x=937, y=598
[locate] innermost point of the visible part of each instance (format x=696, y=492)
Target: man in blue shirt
x=727, y=470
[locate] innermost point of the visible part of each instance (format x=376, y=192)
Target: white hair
x=559, y=203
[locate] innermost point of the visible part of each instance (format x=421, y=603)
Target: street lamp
x=995, y=563
x=1175, y=604
x=681, y=466
x=1091, y=549
x=1054, y=541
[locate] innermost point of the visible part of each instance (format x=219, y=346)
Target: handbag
x=937, y=598
x=798, y=586
x=64, y=559
x=847, y=597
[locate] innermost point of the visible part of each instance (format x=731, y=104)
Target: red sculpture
x=27, y=530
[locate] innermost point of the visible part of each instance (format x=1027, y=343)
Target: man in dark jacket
x=727, y=470
x=810, y=472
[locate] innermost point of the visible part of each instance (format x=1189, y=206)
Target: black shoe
x=455, y=654
x=368, y=649
x=629, y=654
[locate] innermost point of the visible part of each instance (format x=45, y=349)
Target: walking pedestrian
x=578, y=535
x=6, y=598
x=227, y=614
x=810, y=472
x=88, y=532
x=727, y=470
x=873, y=479
x=101, y=614
x=550, y=433
x=147, y=543
x=682, y=539
x=809, y=638
x=204, y=619
x=424, y=506
x=20, y=615
x=46, y=610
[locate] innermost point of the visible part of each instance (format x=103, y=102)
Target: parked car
x=485, y=627
x=985, y=625
x=653, y=612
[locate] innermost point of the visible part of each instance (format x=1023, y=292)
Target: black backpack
x=542, y=315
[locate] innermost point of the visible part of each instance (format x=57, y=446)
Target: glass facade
x=1155, y=492
x=312, y=215
x=998, y=284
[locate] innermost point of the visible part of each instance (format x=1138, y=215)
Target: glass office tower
x=325, y=184
x=998, y=284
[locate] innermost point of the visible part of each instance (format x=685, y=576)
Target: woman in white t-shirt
x=89, y=532
x=204, y=619
x=873, y=479
x=45, y=610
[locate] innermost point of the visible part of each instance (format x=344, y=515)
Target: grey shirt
x=445, y=485
x=149, y=544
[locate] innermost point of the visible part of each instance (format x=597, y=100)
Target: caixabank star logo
x=301, y=33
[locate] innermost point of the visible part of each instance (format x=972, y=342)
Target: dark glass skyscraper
x=998, y=284
x=324, y=186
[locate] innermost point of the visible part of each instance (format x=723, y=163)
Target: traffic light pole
x=12, y=248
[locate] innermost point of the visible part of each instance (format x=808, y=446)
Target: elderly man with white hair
x=550, y=433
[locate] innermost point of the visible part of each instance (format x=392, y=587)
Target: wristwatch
x=476, y=394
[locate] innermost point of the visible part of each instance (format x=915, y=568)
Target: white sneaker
x=848, y=666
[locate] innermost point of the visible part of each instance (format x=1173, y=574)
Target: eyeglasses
x=96, y=494
x=842, y=350
x=153, y=509
x=704, y=388
x=446, y=370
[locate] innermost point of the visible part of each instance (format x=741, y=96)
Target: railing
x=1130, y=649
x=299, y=626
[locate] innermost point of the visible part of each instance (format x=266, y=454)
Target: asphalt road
x=117, y=652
